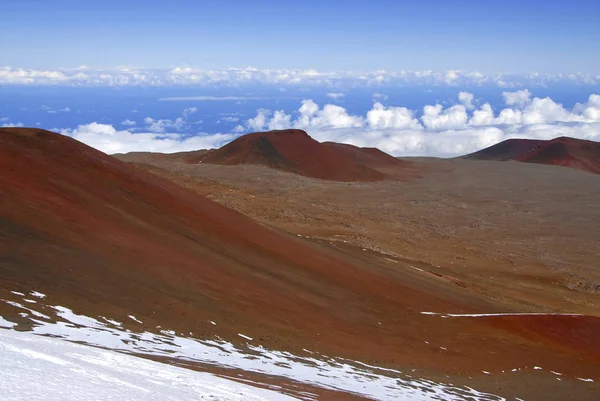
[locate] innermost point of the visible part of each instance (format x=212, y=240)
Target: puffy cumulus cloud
x=391, y=117
x=546, y=110
x=189, y=111
x=280, y=120
x=12, y=125
x=466, y=99
x=379, y=96
x=106, y=138
x=591, y=109
x=436, y=118
x=128, y=123
x=163, y=125
x=518, y=98
x=229, y=119
x=311, y=116
x=335, y=96
x=238, y=129
x=483, y=116
x=439, y=131
x=236, y=77
x=258, y=123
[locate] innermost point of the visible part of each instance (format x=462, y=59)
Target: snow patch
x=6, y=324
x=113, y=322
x=318, y=370
x=134, y=319
x=21, y=306
x=246, y=337
x=497, y=314
x=35, y=368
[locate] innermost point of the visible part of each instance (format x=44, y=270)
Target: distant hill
x=295, y=151
x=101, y=234
x=563, y=151
x=151, y=157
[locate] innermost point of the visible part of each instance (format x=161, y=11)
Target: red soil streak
x=105, y=238
x=573, y=332
x=295, y=151
x=563, y=151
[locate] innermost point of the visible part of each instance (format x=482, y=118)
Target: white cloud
x=280, y=120
x=166, y=124
x=466, y=99
x=483, y=116
x=12, y=125
x=391, y=117
x=190, y=110
x=163, y=125
x=211, y=98
x=545, y=110
x=106, y=138
x=329, y=116
x=238, y=77
x=434, y=130
x=335, y=96
x=518, y=98
x=128, y=123
x=445, y=132
x=436, y=118
x=258, y=123
x=591, y=109
x=229, y=119
x=379, y=96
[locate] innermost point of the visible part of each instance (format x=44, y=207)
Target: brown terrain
x=563, y=151
x=341, y=268
x=295, y=151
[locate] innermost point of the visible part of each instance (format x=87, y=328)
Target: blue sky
x=413, y=78
x=489, y=36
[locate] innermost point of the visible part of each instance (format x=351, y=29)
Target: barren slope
x=295, y=151
x=105, y=238
x=563, y=151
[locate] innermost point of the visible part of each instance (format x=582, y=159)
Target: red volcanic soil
x=295, y=151
x=107, y=239
x=563, y=151
x=152, y=157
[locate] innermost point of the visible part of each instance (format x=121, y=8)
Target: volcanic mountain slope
x=295, y=151
x=153, y=157
x=563, y=151
x=106, y=239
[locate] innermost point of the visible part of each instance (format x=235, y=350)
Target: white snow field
x=42, y=368
x=332, y=373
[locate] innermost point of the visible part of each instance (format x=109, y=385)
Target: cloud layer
x=106, y=138
x=439, y=131
x=235, y=77
x=434, y=130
